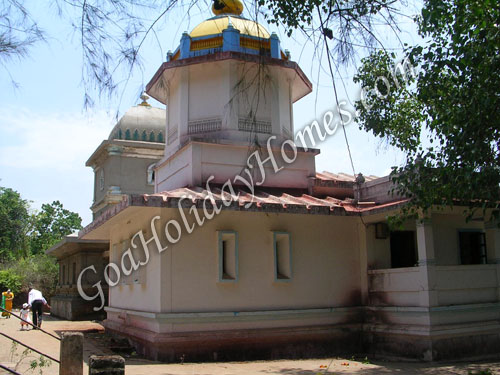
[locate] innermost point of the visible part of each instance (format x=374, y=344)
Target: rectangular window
x=403, y=249
x=74, y=273
x=125, y=263
x=282, y=256
x=228, y=256
x=472, y=247
x=64, y=275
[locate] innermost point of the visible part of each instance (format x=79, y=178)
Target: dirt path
x=98, y=343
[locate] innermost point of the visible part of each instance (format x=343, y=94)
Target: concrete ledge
x=436, y=333
x=236, y=315
x=221, y=321
x=433, y=345
x=435, y=317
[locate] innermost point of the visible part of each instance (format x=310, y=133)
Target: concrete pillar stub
x=492, y=242
x=492, y=232
x=71, y=356
x=425, y=242
x=275, y=46
x=426, y=262
x=231, y=39
x=106, y=365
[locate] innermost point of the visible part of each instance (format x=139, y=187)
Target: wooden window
x=472, y=247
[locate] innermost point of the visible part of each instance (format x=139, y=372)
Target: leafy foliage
x=454, y=98
x=18, y=31
x=51, y=224
x=9, y=279
x=14, y=224
x=24, y=238
x=40, y=270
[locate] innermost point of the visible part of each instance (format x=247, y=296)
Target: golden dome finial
x=221, y=7
x=145, y=98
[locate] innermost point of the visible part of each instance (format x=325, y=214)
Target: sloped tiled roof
x=328, y=176
x=260, y=201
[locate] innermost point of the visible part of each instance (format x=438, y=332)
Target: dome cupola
x=141, y=123
x=228, y=31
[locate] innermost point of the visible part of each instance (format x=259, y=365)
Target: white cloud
x=43, y=156
x=53, y=141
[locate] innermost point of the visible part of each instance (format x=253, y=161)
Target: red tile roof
x=281, y=202
x=328, y=176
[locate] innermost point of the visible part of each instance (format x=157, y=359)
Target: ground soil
x=98, y=342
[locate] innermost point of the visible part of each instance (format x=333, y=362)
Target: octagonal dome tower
x=228, y=83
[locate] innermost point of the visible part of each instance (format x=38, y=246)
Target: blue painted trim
x=231, y=39
x=220, y=234
x=275, y=47
x=185, y=46
x=230, y=42
x=275, y=250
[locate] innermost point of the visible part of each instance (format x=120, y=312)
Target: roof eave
x=158, y=94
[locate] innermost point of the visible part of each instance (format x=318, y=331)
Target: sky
x=46, y=136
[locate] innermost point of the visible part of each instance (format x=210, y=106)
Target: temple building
x=243, y=250
x=122, y=165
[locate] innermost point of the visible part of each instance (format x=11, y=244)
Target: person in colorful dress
x=24, y=313
x=7, y=298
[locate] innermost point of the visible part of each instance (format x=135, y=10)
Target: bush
x=10, y=280
x=39, y=270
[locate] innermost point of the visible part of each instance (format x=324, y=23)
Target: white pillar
x=426, y=263
x=492, y=243
x=425, y=243
x=363, y=263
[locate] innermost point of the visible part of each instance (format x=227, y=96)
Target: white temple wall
x=145, y=293
x=184, y=278
x=211, y=79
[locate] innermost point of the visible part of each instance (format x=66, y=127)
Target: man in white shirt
x=36, y=302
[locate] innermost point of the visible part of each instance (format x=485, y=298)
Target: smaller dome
x=141, y=123
x=217, y=24
x=227, y=7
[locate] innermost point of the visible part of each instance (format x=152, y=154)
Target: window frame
x=459, y=252
x=289, y=278
x=220, y=256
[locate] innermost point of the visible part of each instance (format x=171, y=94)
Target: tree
x=18, y=31
x=14, y=224
x=454, y=98
x=24, y=236
x=51, y=224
